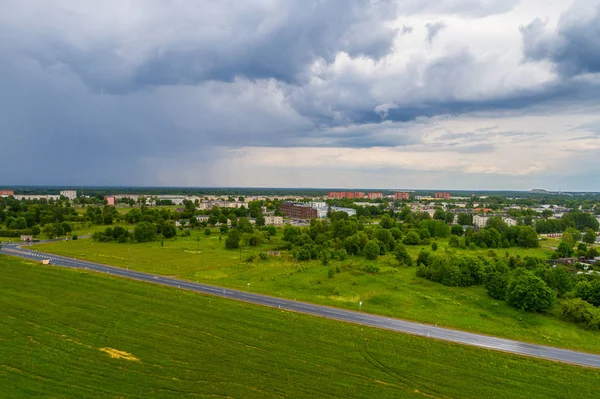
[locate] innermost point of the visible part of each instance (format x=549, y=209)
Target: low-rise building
x=6, y=193
x=297, y=210
x=110, y=200
x=274, y=220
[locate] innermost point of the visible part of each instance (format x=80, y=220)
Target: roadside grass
x=394, y=292
x=67, y=333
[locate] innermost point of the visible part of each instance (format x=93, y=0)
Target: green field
x=68, y=334
x=394, y=291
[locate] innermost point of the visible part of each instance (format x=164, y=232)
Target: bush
x=75, y=237
x=371, y=250
x=412, y=238
x=263, y=256
x=496, y=284
x=330, y=273
x=402, y=256
x=207, y=232
x=372, y=269
x=434, y=246
x=580, y=311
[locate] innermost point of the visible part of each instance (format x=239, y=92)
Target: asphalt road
x=424, y=330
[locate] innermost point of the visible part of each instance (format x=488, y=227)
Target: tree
x=530, y=293
x=233, y=239
x=145, y=232
x=589, y=236
x=564, y=250
x=560, y=280
x=528, y=237
x=457, y=230
x=402, y=256
x=371, y=250
x=434, y=246
x=35, y=230
x=49, y=231
x=207, y=232
x=169, y=230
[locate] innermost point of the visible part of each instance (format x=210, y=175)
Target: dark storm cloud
x=574, y=48
x=255, y=41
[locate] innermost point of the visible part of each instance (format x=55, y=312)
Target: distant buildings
x=375, y=196
x=110, y=200
x=70, y=194
x=346, y=194
x=510, y=221
x=21, y=197
x=445, y=196
x=399, y=196
x=6, y=193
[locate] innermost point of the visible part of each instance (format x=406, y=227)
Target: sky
x=390, y=94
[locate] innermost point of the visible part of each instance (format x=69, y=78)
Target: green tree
x=145, y=232
x=560, y=280
x=169, y=230
x=528, y=237
x=530, y=293
x=457, y=230
x=371, y=250
x=564, y=250
x=233, y=239
x=589, y=236
x=207, y=232
x=496, y=284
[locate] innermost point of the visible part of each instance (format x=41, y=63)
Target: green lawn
x=394, y=291
x=69, y=334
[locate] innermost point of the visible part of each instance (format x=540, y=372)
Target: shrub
x=233, y=239
x=580, y=311
x=207, y=232
x=372, y=269
x=412, y=238
x=371, y=250
x=263, y=256
x=75, y=237
x=434, y=246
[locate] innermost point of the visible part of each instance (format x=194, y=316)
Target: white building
x=318, y=204
x=202, y=218
x=510, y=221
x=274, y=220
x=70, y=194
x=36, y=197
x=480, y=220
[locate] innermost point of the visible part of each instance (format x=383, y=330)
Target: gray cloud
x=573, y=48
x=470, y=8
x=433, y=29
x=208, y=40
x=406, y=30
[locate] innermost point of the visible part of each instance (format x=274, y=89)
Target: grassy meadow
x=395, y=292
x=70, y=334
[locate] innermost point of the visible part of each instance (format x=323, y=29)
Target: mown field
x=395, y=292
x=68, y=334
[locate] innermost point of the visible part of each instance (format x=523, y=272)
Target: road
x=423, y=330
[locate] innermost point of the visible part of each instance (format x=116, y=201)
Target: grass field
x=68, y=334
x=394, y=292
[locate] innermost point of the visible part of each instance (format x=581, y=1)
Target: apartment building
x=399, y=196
x=346, y=194
x=480, y=220
x=373, y=196
x=6, y=193
x=70, y=194
x=445, y=196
